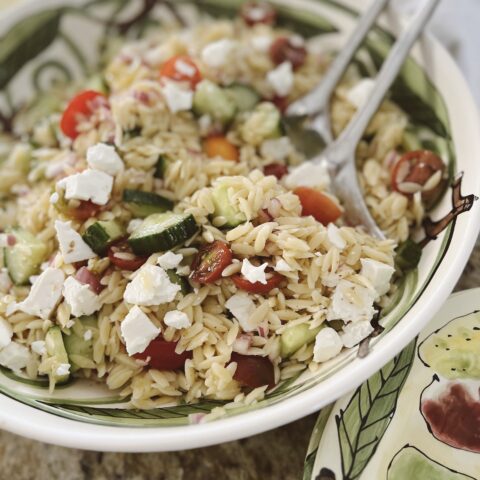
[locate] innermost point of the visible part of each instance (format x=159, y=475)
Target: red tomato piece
x=182, y=69
x=288, y=49
x=121, y=255
x=85, y=276
x=318, y=205
x=261, y=288
x=84, y=211
x=253, y=371
x=211, y=260
x=276, y=169
x=254, y=13
x=280, y=102
x=163, y=356
x=81, y=105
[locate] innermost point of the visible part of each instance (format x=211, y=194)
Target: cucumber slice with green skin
x=245, y=98
x=97, y=83
x=56, y=349
x=161, y=232
x=223, y=207
x=408, y=255
x=143, y=204
x=210, y=99
x=25, y=257
x=76, y=345
x=101, y=235
x=161, y=167
x=292, y=339
x=182, y=281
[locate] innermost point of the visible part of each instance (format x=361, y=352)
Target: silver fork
x=339, y=155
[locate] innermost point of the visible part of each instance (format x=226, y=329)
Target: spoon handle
x=387, y=75
x=319, y=98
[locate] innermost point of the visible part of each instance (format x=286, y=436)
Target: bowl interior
x=61, y=40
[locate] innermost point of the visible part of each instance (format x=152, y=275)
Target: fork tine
x=319, y=98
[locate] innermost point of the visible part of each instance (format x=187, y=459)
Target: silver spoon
x=340, y=154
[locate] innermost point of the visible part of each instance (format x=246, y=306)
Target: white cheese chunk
x=261, y=43
x=39, y=347
x=242, y=307
x=169, y=260
x=282, y=266
x=378, y=274
x=178, y=98
x=14, y=356
x=91, y=185
x=216, y=54
x=71, y=243
x=6, y=333
x=44, y=294
x=138, y=331
x=327, y=345
x=351, y=303
x=354, y=333
x=361, y=92
x=151, y=286
x=278, y=149
x=80, y=298
x=87, y=336
x=335, y=236
x=281, y=79
x=105, y=158
x=62, y=370
x=309, y=174
x=254, y=274
x=177, y=319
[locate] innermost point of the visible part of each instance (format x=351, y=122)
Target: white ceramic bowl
x=60, y=37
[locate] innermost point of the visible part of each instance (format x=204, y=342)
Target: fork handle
x=319, y=98
x=387, y=75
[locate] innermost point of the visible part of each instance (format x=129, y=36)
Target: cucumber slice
x=245, y=98
x=101, y=235
x=97, y=83
x=24, y=259
x=410, y=141
x=161, y=167
x=161, y=232
x=56, y=350
x=182, y=281
x=408, y=255
x=143, y=204
x=210, y=99
x=223, y=207
x=293, y=338
x=79, y=350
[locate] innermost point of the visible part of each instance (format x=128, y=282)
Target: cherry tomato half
x=79, y=105
x=253, y=371
x=211, y=260
x=219, y=146
x=280, y=102
x=317, y=204
x=288, y=49
x=183, y=69
x=163, y=356
x=416, y=167
x=121, y=255
x=276, y=169
x=261, y=288
x=84, y=211
x=85, y=276
x=254, y=13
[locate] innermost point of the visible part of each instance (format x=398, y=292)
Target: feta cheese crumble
x=281, y=79
x=178, y=98
x=361, y=92
x=6, y=333
x=278, y=149
x=44, y=294
x=216, y=54
x=177, y=319
x=87, y=336
x=151, y=286
x=80, y=298
x=91, y=185
x=169, y=260
x=138, y=331
x=261, y=43
x=39, y=347
x=354, y=333
x=15, y=357
x=351, y=303
x=309, y=174
x=242, y=308
x=327, y=345
x=62, y=370
x=378, y=274
x=282, y=266
x=105, y=158
x=71, y=243
x=254, y=274
x=335, y=236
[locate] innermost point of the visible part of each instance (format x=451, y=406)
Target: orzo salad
x=162, y=234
